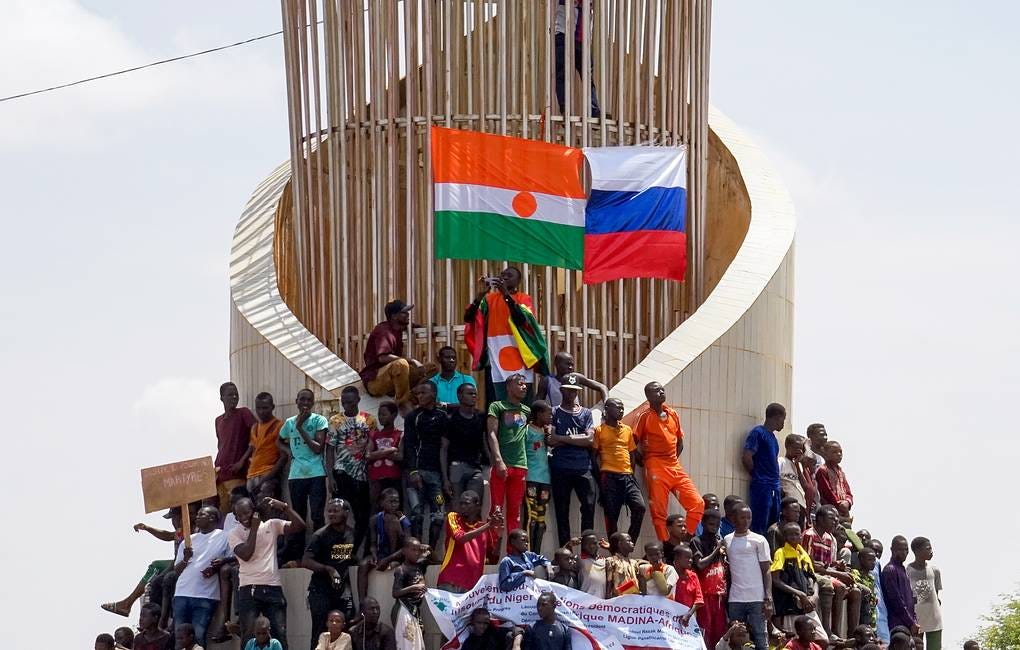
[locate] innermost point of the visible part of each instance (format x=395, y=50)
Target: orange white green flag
x=504, y=198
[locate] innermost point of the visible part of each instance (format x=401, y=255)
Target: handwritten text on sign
x=176, y=484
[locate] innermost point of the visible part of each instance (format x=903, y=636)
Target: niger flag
x=503, y=198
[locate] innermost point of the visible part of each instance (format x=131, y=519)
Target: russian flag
x=635, y=218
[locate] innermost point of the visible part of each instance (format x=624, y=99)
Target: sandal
x=112, y=608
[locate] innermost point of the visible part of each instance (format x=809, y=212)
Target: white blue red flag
x=635, y=218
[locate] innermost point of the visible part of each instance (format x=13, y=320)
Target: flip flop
x=112, y=608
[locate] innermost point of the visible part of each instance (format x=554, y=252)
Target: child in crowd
x=566, y=568
x=463, y=446
x=262, y=639
x=538, y=486
x=387, y=531
x=150, y=636
x=614, y=449
x=833, y=487
x=184, y=635
x=730, y=504
x=622, y=571
x=520, y=563
x=709, y=561
x=711, y=502
x=265, y=462
x=660, y=578
x=409, y=578
x=123, y=637
x=750, y=581
x=469, y=540
x=789, y=511
x=926, y=583
x=805, y=639
x=383, y=455
x=346, y=457
x=864, y=578
x=547, y=633
x=882, y=623
x=792, y=473
x=793, y=582
x=676, y=528
x=592, y=564
x=901, y=638
x=104, y=642
x=334, y=638
x=735, y=638
x=834, y=582
x=303, y=439
x=688, y=587
x=421, y=444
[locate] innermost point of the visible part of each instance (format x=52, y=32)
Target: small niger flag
x=503, y=198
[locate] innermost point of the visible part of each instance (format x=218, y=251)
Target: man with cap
x=386, y=370
x=570, y=461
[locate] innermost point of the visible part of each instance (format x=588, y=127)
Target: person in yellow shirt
x=614, y=449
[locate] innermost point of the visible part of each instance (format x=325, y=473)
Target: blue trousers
x=764, y=502
x=752, y=615
x=197, y=611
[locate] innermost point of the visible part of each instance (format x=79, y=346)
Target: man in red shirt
x=233, y=433
x=469, y=541
x=386, y=371
x=660, y=442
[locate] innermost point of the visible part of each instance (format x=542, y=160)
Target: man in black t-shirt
x=463, y=452
x=422, y=440
x=329, y=555
x=547, y=633
x=486, y=637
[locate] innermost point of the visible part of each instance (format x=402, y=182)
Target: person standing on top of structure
x=761, y=460
x=660, y=443
x=576, y=35
x=502, y=335
x=386, y=370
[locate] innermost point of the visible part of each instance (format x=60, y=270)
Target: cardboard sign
x=178, y=484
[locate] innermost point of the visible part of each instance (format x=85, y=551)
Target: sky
x=892, y=124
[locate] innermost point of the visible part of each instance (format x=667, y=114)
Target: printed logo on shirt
x=341, y=552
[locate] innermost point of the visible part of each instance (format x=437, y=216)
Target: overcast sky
x=893, y=124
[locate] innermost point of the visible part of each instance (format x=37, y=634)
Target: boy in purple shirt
x=896, y=591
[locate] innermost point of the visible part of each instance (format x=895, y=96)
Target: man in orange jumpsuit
x=660, y=442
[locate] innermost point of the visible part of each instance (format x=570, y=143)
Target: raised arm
x=597, y=386
x=161, y=535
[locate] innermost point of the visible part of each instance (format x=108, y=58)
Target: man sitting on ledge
x=386, y=371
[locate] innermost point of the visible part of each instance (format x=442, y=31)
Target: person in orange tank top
x=660, y=443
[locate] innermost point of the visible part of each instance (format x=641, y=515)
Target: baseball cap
x=395, y=307
x=571, y=382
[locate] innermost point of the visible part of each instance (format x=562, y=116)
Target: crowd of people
x=786, y=565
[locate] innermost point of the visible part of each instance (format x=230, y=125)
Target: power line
x=140, y=67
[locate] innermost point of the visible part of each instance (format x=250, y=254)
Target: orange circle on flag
x=510, y=358
x=525, y=204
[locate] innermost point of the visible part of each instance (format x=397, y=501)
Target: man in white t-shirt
x=790, y=469
x=254, y=544
x=750, y=599
x=198, y=585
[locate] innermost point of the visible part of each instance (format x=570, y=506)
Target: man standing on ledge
x=660, y=443
x=386, y=371
x=502, y=335
x=761, y=460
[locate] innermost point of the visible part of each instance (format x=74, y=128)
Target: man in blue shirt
x=520, y=563
x=449, y=379
x=761, y=460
